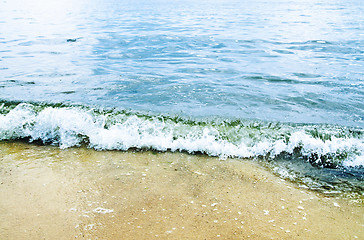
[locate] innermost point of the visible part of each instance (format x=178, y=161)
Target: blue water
x=292, y=61
x=228, y=78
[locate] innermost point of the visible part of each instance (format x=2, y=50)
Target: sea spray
x=68, y=126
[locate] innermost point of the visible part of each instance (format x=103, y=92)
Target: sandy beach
x=78, y=193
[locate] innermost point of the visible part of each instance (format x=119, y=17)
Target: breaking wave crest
x=68, y=126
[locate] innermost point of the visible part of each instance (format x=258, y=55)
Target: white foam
x=102, y=210
x=355, y=162
x=74, y=126
x=14, y=124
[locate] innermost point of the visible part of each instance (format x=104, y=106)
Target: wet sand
x=78, y=193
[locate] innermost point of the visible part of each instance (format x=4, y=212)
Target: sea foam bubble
x=113, y=130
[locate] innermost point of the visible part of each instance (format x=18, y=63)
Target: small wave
x=68, y=126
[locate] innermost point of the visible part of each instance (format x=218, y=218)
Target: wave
x=111, y=129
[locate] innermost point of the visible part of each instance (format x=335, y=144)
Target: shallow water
x=47, y=192
x=275, y=80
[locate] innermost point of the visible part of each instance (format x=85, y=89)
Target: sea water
x=280, y=81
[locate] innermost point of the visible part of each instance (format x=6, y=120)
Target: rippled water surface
x=274, y=60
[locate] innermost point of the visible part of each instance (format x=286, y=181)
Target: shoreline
x=47, y=192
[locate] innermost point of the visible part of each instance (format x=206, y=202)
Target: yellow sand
x=48, y=193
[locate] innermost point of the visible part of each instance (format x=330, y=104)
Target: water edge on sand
x=47, y=192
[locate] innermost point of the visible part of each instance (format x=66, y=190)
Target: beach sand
x=78, y=193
